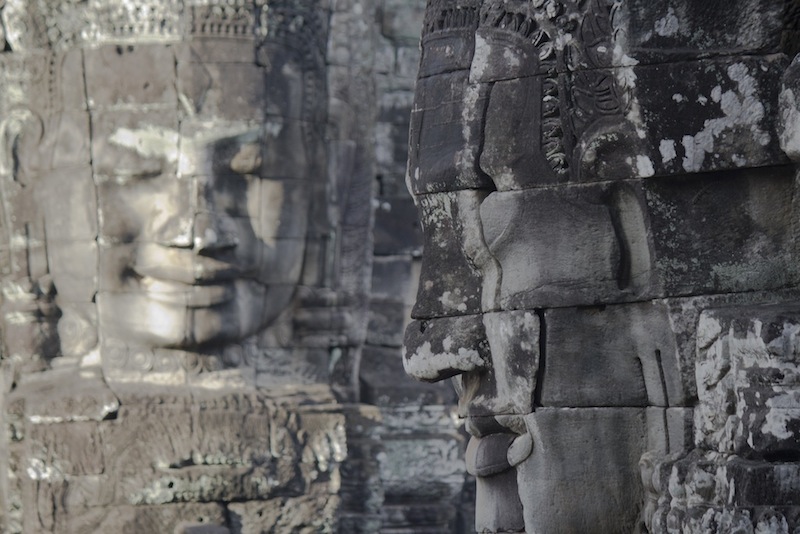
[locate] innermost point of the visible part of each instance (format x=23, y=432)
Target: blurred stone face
x=198, y=175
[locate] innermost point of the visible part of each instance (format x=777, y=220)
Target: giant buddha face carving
x=174, y=169
x=202, y=222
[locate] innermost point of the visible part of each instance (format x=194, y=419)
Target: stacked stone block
x=590, y=177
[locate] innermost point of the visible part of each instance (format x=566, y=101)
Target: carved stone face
x=570, y=206
x=199, y=176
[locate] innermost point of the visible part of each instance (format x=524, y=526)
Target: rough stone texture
x=153, y=152
x=425, y=487
x=626, y=355
x=623, y=173
x=747, y=382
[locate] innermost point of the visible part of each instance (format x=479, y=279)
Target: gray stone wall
x=306, y=425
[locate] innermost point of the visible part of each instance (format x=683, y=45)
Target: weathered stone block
x=500, y=509
x=216, y=50
x=514, y=154
x=172, y=518
x=448, y=38
x=120, y=219
x=590, y=454
x=624, y=355
x=71, y=141
x=706, y=490
x=200, y=82
x=155, y=62
x=84, y=492
x=755, y=483
x=71, y=448
x=72, y=83
x=716, y=115
x=70, y=202
x=537, y=235
x=459, y=275
x=660, y=30
x=66, y=395
x=75, y=267
x=506, y=385
x=446, y=132
x=723, y=233
x=311, y=513
x=669, y=430
x=747, y=379
x=130, y=146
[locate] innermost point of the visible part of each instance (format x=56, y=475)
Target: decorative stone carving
x=593, y=177
x=183, y=287
x=177, y=217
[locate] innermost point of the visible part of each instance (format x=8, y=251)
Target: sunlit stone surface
x=185, y=256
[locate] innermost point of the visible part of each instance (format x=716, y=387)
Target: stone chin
x=232, y=312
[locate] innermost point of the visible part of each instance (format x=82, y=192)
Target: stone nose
x=212, y=229
x=441, y=348
x=213, y=232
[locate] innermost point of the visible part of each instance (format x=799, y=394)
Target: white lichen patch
x=789, y=123
x=626, y=77
x=741, y=110
x=644, y=167
x=38, y=470
x=425, y=364
x=781, y=411
x=667, y=149
x=511, y=59
x=465, y=158
x=669, y=25
x=480, y=60
x=454, y=300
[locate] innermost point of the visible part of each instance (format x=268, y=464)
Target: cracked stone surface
x=631, y=174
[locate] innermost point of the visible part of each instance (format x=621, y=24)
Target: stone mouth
x=198, y=295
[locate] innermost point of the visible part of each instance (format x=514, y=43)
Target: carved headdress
x=43, y=24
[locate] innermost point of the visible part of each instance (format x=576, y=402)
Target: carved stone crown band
x=45, y=24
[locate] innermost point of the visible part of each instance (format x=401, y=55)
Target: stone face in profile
x=590, y=177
